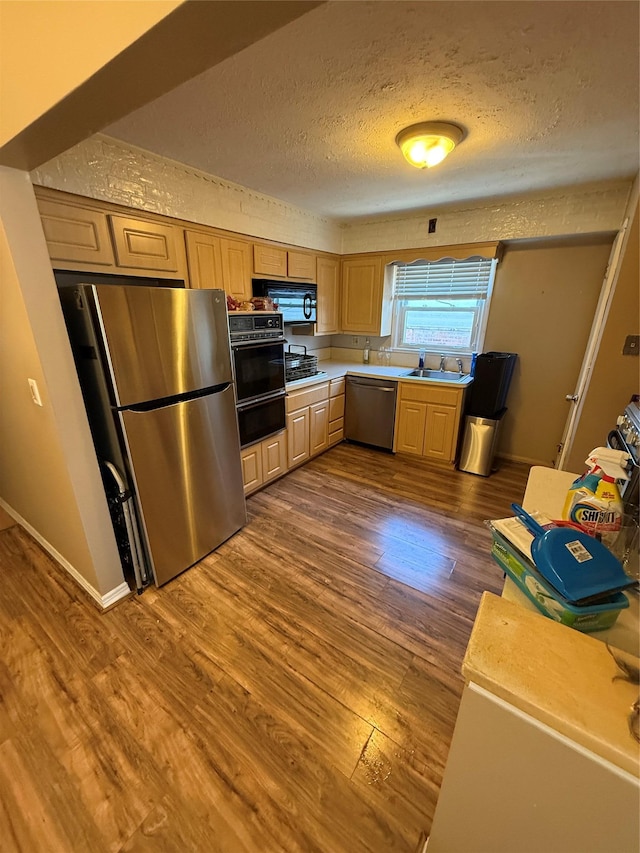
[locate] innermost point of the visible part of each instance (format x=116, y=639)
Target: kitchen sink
x=442, y=375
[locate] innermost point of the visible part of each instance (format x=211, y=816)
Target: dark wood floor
x=295, y=691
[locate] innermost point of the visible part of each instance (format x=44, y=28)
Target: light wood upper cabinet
x=147, y=245
x=236, y=268
x=366, y=303
x=75, y=234
x=204, y=258
x=328, y=280
x=269, y=260
x=301, y=265
x=283, y=263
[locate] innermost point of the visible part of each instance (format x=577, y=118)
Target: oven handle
x=614, y=440
x=617, y=442
x=258, y=401
x=260, y=343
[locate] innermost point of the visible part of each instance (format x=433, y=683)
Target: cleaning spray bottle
x=593, y=500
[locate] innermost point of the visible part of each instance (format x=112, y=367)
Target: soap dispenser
x=421, y=360
x=365, y=352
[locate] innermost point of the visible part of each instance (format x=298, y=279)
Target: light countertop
x=336, y=369
x=556, y=675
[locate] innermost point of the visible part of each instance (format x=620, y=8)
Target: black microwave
x=296, y=301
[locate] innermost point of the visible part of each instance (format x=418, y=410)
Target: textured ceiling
x=547, y=92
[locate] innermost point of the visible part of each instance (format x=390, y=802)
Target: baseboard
x=104, y=601
x=508, y=457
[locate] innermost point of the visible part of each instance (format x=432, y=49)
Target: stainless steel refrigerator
x=155, y=371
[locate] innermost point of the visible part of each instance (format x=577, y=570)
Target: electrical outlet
x=35, y=393
x=432, y=226
x=355, y=341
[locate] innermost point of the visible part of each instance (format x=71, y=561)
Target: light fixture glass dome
x=428, y=143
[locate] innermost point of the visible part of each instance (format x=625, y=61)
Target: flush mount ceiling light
x=428, y=143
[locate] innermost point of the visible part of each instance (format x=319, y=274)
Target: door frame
x=607, y=292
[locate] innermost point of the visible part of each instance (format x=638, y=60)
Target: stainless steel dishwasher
x=370, y=411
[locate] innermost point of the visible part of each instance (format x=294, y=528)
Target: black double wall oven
x=257, y=346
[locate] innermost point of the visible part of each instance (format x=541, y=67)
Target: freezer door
x=162, y=341
x=185, y=462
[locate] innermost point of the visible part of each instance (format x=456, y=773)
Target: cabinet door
x=251, y=467
x=269, y=260
x=75, y=234
x=146, y=245
x=328, y=280
x=439, y=432
x=318, y=427
x=362, y=289
x=274, y=456
x=204, y=259
x=301, y=265
x=297, y=437
x=236, y=268
x=412, y=418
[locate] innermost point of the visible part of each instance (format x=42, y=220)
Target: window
x=442, y=306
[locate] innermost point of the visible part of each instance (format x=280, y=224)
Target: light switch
x=631, y=345
x=35, y=393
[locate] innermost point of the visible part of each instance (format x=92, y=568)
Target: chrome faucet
x=459, y=363
x=442, y=367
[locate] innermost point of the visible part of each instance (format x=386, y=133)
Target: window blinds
x=468, y=279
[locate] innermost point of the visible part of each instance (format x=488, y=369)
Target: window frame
x=402, y=304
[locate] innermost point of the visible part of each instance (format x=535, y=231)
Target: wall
x=587, y=209
x=49, y=477
x=105, y=169
x=615, y=377
x=543, y=303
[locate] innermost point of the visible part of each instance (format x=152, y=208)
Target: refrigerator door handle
x=126, y=502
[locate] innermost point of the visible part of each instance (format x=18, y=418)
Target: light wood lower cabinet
x=318, y=427
x=428, y=420
x=298, y=440
x=336, y=410
x=307, y=423
x=264, y=461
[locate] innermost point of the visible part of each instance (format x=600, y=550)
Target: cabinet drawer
x=429, y=393
x=335, y=435
x=307, y=397
x=336, y=407
x=335, y=425
x=336, y=386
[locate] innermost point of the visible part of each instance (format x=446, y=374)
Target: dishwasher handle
x=364, y=384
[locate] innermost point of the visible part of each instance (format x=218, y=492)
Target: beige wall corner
x=615, y=377
x=49, y=476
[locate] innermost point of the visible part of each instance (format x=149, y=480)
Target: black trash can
x=491, y=379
